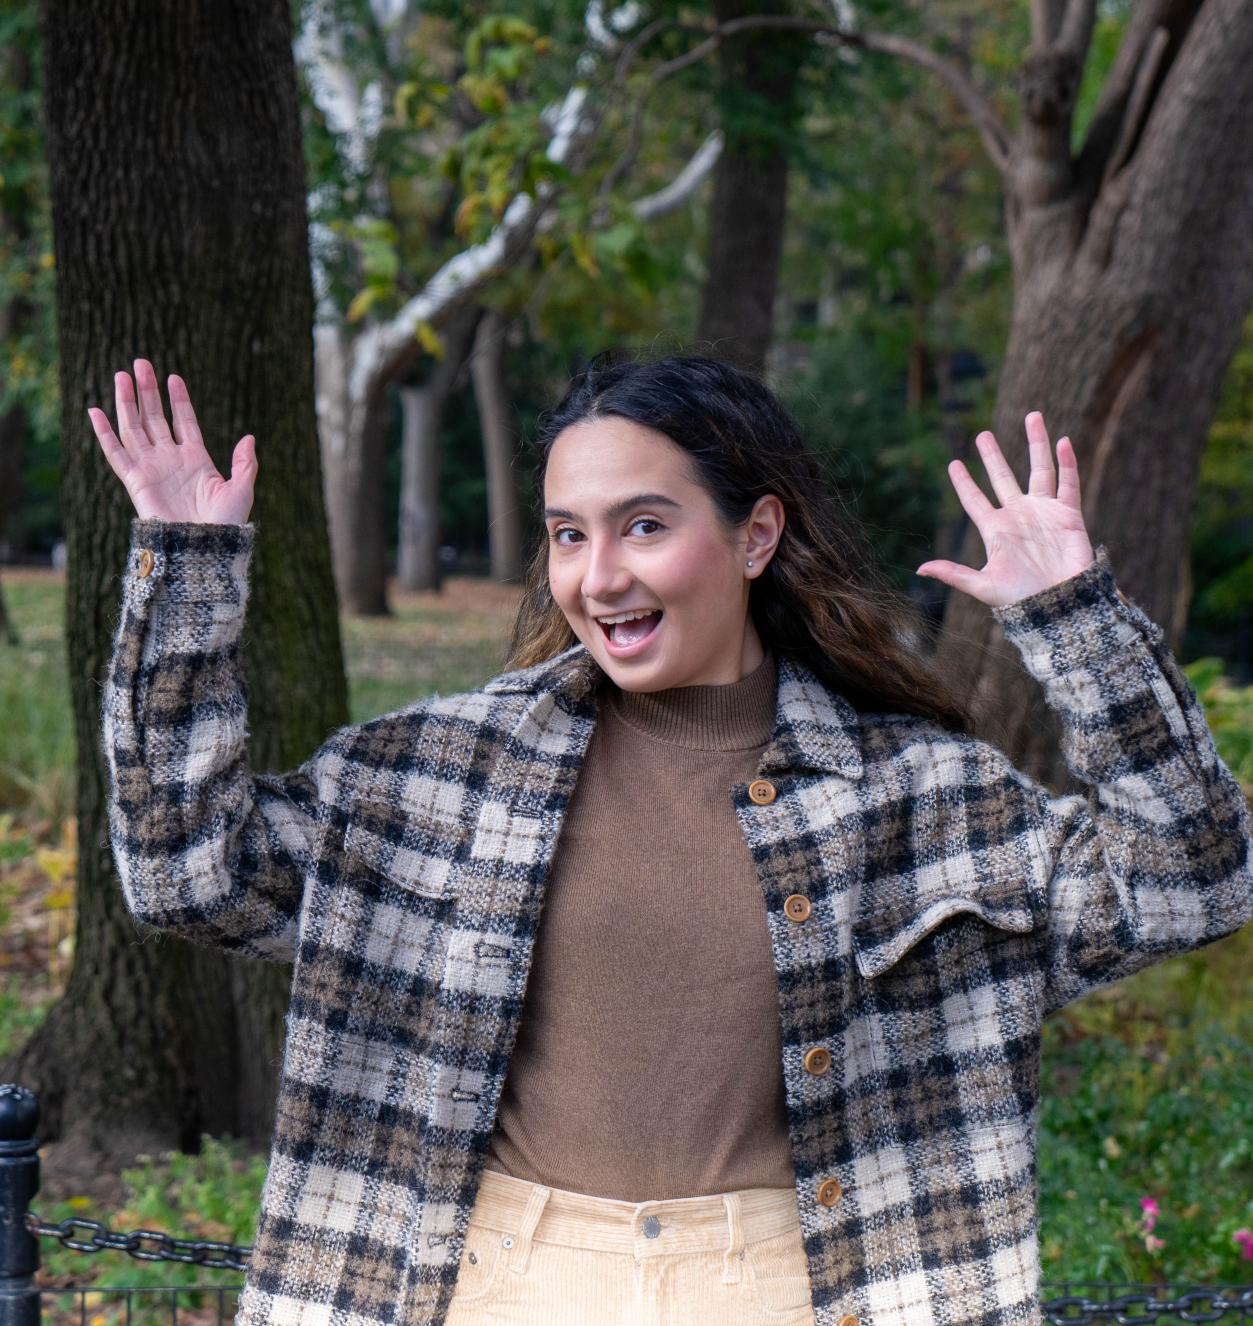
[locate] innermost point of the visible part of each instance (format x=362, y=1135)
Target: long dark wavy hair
x=822, y=598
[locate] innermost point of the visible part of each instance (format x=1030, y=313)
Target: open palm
x=170, y=476
x=1034, y=539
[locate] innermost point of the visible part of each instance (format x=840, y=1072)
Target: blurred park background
x=381, y=235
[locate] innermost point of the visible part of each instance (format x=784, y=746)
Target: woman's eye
x=646, y=520
x=557, y=533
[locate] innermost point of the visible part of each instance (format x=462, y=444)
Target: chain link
x=165, y=1247
x=1189, y=1305
x=1071, y=1310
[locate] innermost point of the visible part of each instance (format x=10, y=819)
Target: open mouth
x=629, y=637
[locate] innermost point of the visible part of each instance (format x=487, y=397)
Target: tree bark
x=1133, y=266
x=506, y=527
x=181, y=235
x=748, y=212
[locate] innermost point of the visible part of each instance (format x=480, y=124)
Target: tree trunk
x=422, y=412
x=504, y=511
x=1133, y=275
x=749, y=208
x=181, y=235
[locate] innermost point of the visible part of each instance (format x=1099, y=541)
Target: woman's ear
x=762, y=532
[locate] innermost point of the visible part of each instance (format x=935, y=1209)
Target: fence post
x=19, y=1182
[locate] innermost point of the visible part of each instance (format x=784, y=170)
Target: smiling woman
x=683, y=488
x=652, y=582
x=693, y=969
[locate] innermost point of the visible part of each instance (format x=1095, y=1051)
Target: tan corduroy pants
x=539, y=1256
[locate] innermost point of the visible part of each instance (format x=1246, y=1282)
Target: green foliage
x=37, y=753
x=215, y=1196
x=1134, y=1123
x=887, y=462
x=1107, y=35
x=28, y=353
x=1222, y=529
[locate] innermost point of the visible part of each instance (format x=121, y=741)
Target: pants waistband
x=718, y=1221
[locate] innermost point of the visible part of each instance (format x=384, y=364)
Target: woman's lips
x=636, y=647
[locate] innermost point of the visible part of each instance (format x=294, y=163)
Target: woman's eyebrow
x=617, y=509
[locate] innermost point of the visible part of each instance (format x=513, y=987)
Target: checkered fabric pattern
x=953, y=902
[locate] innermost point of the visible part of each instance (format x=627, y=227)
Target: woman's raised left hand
x=1032, y=540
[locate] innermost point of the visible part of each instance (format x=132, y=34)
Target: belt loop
x=520, y=1254
x=732, y=1268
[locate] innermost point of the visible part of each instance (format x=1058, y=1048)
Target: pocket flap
x=881, y=941
x=419, y=857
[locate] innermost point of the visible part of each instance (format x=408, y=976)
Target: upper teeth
x=625, y=617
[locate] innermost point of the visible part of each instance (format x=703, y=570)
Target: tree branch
x=992, y=133
x=1045, y=22
x=1075, y=34
x=684, y=184
x=1105, y=131
x=1137, y=106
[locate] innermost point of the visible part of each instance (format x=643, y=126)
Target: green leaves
x=376, y=242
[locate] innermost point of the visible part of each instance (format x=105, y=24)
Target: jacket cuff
x=177, y=561
x=1081, y=621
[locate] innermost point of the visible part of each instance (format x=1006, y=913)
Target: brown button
x=848, y=1320
x=146, y=560
x=762, y=792
x=796, y=907
x=829, y=1191
x=818, y=1060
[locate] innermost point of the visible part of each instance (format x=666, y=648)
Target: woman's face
x=630, y=528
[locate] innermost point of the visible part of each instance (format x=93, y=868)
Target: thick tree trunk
x=749, y=208
x=1134, y=272
x=504, y=510
x=422, y=407
x=181, y=235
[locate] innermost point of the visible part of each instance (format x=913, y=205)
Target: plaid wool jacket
x=952, y=905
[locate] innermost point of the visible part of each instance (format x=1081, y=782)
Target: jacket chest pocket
x=955, y=1028
x=418, y=856
x=380, y=949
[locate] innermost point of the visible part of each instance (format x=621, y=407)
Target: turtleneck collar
x=735, y=716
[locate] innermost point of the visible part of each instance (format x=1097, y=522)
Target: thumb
x=955, y=575
x=244, y=459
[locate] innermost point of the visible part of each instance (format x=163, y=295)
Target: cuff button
x=146, y=561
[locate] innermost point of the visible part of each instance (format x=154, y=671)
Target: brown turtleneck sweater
x=648, y=1061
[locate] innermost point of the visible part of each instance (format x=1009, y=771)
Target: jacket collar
x=816, y=729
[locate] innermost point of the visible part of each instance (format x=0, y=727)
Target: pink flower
x=1244, y=1237
x=1153, y=1243
x=1151, y=1211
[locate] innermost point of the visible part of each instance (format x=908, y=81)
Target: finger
x=128, y=421
x=114, y=452
x=1068, y=474
x=151, y=411
x=970, y=495
x=186, y=429
x=1004, y=484
x=959, y=577
x=1042, y=481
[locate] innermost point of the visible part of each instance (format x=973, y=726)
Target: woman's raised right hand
x=171, y=477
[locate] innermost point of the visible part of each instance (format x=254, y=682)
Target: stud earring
x=750, y=561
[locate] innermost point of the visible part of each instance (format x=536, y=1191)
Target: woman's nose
x=605, y=574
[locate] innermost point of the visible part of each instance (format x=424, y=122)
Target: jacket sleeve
x=204, y=848
x=1154, y=859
